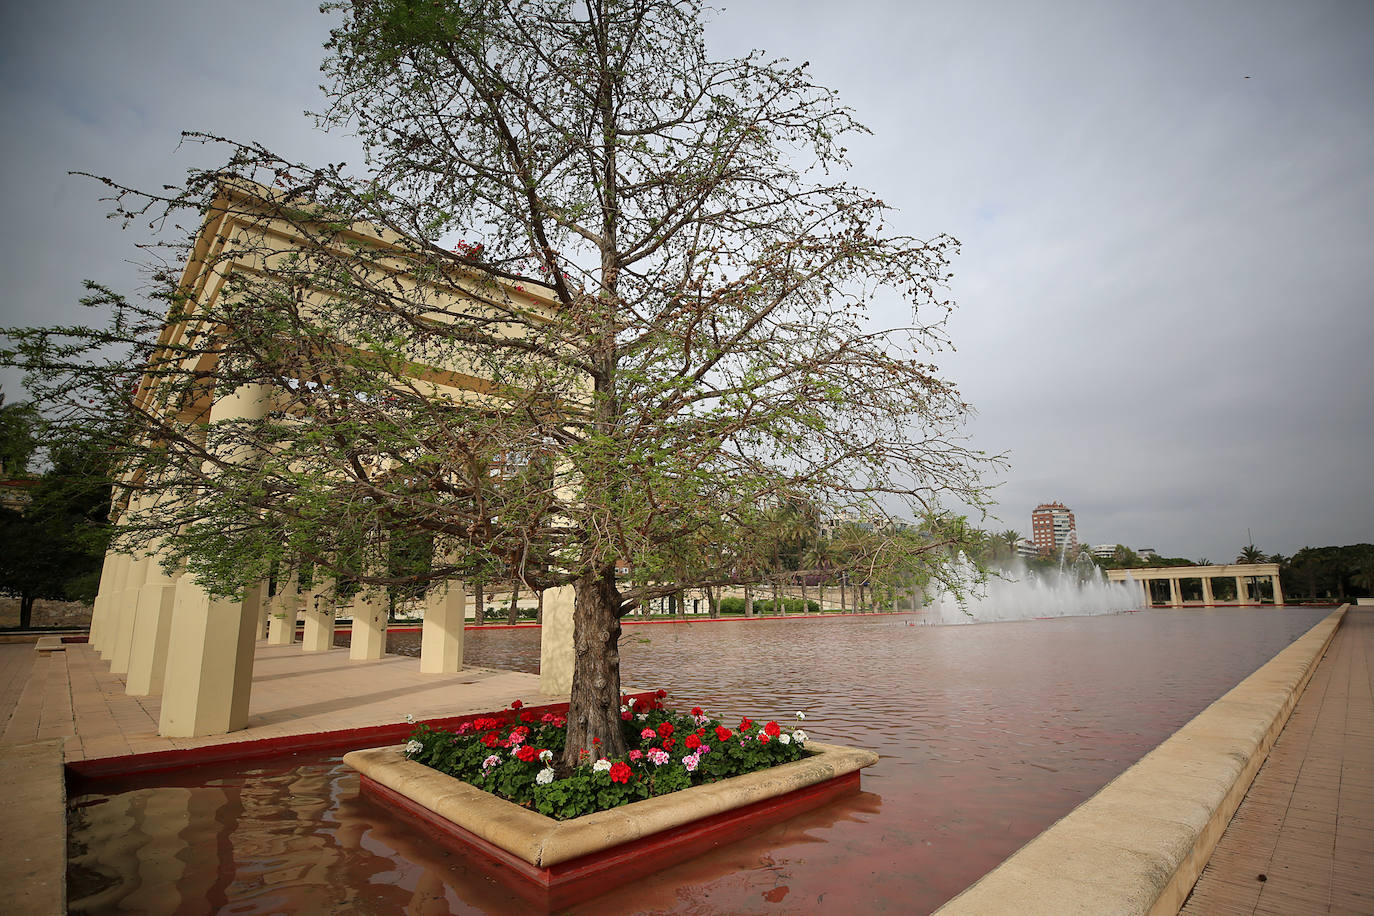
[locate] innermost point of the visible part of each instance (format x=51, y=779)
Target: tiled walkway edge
x=1138, y=845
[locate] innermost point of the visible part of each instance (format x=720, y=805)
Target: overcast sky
x=1166, y=316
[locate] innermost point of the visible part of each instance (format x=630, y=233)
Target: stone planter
x=560, y=863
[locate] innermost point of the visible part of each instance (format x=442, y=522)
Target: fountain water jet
x=1020, y=594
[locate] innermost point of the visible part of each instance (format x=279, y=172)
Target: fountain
x=1075, y=589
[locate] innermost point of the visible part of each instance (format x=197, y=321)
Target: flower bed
x=512, y=755
x=557, y=863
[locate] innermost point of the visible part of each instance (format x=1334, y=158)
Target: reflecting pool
x=987, y=734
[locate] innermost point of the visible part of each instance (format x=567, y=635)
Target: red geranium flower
x=620, y=771
x=723, y=733
x=491, y=739
x=627, y=715
x=516, y=705
x=528, y=717
x=665, y=729
x=745, y=723
x=527, y=753
x=696, y=710
x=692, y=742
x=660, y=693
x=668, y=743
x=772, y=729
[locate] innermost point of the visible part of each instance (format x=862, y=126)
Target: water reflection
x=987, y=734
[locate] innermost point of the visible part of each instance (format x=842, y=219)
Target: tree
x=1251, y=554
x=53, y=547
x=18, y=440
x=666, y=302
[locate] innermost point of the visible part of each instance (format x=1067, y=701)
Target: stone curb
x=544, y=842
x=1139, y=844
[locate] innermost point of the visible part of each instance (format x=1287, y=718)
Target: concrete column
x=109, y=629
x=441, y=634
x=319, y=617
x=281, y=629
x=152, y=632
x=556, y=651
x=102, y=598
x=369, y=626
x=209, y=671
x=264, y=610
x=1207, y=590
x=1175, y=597
x=209, y=664
x=1242, y=594
x=1278, y=591
x=128, y=614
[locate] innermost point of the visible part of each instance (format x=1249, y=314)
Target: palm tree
x=1250, y=554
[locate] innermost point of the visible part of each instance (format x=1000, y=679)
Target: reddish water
x=988, y=734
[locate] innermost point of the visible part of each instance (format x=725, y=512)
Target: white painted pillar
x=369, y=626
x=1175, y=597
x=1207, y=590
x=1278, y=591
x=152, y=633
x=556, y=651
x=1242, y=594
x=319, y=617
x=128, y=614
x=109, y=629
x=102, y=598
x=264, y=609
x=441, y=634
x=281, y=629
x=209, y=673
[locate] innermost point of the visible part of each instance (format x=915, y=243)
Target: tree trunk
x=777, y=598
x=748, y=601
x=594, y=706
x=806, y=608
x=26, y=611
x=539, y=607
x=513, y=617
x=681, y=606
x=843, y=608
x=712, y=603
x=480, y=605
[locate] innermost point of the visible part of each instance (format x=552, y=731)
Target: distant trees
x=1334, y=573
x=51, y=547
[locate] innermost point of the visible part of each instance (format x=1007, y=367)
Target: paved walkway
x=1302, y=841
x=73, y=696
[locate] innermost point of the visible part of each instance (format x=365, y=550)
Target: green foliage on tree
x=53, y=547
x=705, y=354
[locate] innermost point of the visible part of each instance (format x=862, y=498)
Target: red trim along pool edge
x=581, y=879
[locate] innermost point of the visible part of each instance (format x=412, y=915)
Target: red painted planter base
x=581, y=879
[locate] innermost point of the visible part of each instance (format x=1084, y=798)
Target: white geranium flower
x=799, y=736
x=784, y=738
x=491, y=761
x=410, y=718
x=544, y=777
x=800, y=715
x=413, y=747
x=545, y=756
x=602, y=766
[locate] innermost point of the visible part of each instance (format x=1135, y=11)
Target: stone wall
x=47, y=613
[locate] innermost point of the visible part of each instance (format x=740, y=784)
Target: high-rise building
x=1052, y=527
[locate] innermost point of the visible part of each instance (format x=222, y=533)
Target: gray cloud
x=1165, y=314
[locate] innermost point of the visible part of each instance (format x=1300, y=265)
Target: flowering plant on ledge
x=512, y=755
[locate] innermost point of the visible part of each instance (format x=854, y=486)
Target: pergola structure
x=165, y=632
x=1198, y=586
